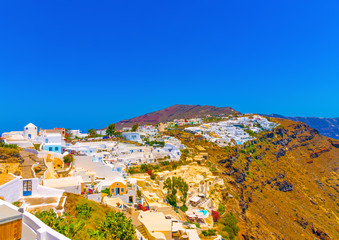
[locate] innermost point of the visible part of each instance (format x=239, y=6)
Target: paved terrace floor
x=41, y=203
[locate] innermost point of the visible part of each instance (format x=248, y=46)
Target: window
x=56, y=148
x=46, y=140
x=50, y=149
x=122, y=190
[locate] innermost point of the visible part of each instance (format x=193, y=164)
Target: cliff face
x=291, y=185
x=176, y=112
x=328, y=127
x=284, y=184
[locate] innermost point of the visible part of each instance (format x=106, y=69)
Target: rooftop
x=155, y=221
x=30, y=125
x=63, y=182
x=8, y=214
x=5, y=178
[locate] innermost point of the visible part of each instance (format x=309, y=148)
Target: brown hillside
x=10, y=161
x=176, y=112
x=285, y=183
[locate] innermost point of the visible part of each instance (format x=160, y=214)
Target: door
x=117, y=191
x=27, y=188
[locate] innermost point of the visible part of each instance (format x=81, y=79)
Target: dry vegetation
x=10, y=160
x=285, y=183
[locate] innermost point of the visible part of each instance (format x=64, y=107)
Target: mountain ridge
x=177, y=111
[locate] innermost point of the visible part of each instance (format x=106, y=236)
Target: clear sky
x=84, y=64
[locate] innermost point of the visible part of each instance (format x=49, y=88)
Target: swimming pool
x=205, y=212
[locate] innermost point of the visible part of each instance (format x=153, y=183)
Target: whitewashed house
x=30, y=131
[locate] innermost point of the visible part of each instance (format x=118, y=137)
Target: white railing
x=38, y=228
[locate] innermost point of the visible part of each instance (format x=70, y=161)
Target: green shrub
x=210, y=232
x=184, y=208
x=12, y=146
x=221, y=209
x=165, y=163
x=16, y=203
x=68, y=159
x=229, y=231
x=197, y=225
x=230, y=225
x=62, y=225
x=83, y=210
x=115, y=226
x=106, y=190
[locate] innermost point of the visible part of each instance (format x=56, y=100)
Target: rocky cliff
x=328, y=127
x=283, y=185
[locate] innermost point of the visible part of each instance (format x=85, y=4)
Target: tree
x=138, y=193
x=215, y=215
x=68, y=159
x=230, y=225
x=173, y=185
x=183, y=188
x=68, y=134
x=92, y=132
x=115, y=226
x=169, y=185
x=110, y=131
x=135, y=127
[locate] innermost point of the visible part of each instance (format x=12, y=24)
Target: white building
x=132, y=136
x=77, y=133
x=17, y=188
x=125, y=189
x=101, y=132
x=30, y=131
x=68, y=184
x=53, y=142
x=21, y=138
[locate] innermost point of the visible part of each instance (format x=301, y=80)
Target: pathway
x=29, y=160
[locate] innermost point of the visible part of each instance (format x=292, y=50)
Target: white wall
x=33, y=131
x=94, y=197
x=72, y=189
x=47, y=191
x=11, y=191
x=36, y=227
x=101, y=169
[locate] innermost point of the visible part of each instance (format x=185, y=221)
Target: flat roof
x=5, y=178
x=195, y=199
x=155, y=221
x=8, y=214
x=63, y=182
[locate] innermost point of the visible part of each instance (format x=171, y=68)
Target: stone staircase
x=141, y=229
x=29, y=160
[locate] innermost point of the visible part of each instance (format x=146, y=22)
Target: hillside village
x=166, y=189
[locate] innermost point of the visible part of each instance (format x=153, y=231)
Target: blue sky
x=84, y=64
